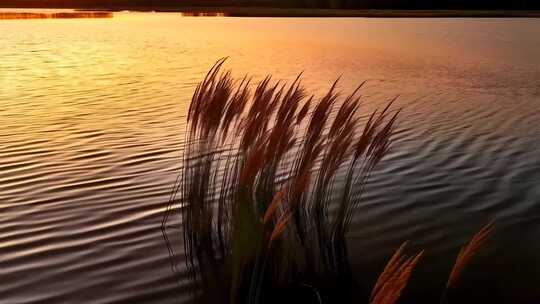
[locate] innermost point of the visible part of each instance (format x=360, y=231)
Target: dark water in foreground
x=92, y=119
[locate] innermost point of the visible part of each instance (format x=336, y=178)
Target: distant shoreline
x=301, y=12
x=58, y=15
x=311, y=12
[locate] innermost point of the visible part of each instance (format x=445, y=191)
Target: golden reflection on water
x=92, y=115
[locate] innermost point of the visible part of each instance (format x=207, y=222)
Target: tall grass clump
x=270, y=181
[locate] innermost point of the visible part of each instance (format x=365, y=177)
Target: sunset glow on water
x=92, y=116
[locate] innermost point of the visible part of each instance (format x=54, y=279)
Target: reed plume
x=394, y=277
x=464, y=257
x=260, y=205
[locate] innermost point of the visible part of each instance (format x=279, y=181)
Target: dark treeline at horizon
x=343, y=4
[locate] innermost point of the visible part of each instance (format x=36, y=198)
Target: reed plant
x=397, y=272
x=270, y=182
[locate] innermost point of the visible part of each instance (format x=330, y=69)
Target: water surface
x=92, y=115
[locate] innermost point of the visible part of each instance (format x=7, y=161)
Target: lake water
x=92, y=115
